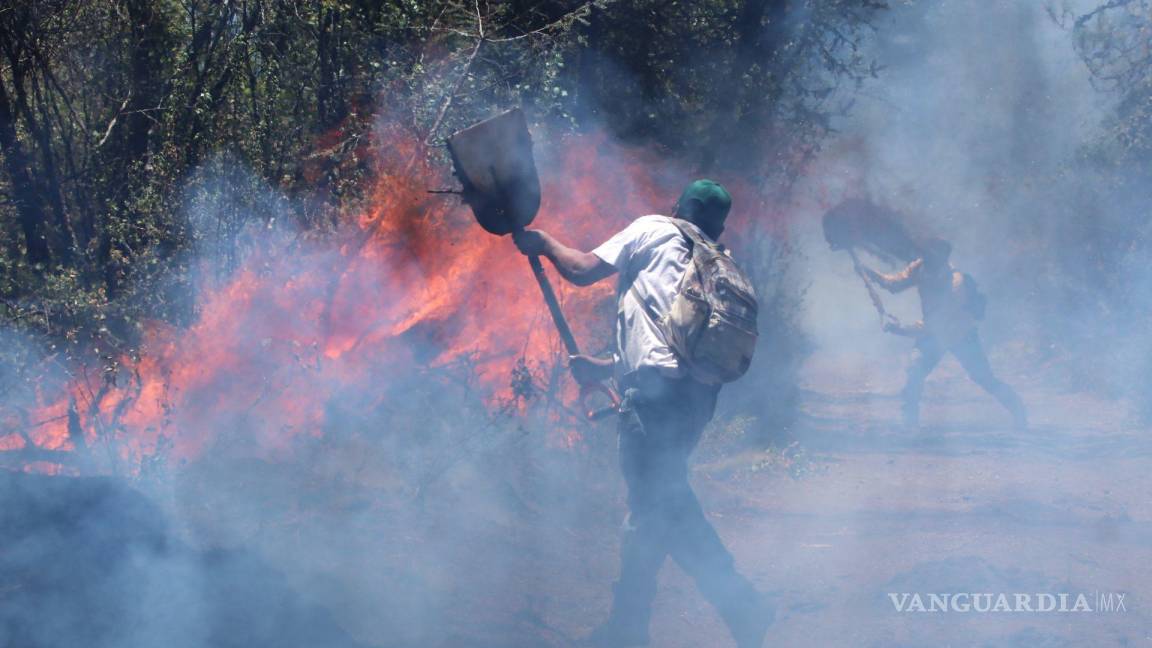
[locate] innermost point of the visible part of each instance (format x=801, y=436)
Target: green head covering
x=713, y=199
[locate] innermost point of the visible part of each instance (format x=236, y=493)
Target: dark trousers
x=929, y=351
x=661, y=424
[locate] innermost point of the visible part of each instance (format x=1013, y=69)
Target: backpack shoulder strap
x=693, y=236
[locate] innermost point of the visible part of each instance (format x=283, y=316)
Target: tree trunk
x=149, y=44
x=24, y=192
x=62, y=240
x=328, y=99
x=760, y=31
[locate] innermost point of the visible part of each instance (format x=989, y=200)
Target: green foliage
x=736, y=84
x=1110, y=226
x=1113, y=41
x=114, y=114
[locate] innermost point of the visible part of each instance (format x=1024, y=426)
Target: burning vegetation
x=256, y=354
x=161, y=293
x=409, y=288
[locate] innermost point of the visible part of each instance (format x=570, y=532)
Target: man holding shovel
x=663, y=414
x=952, y=306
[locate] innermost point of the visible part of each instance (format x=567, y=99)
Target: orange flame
x=411, y=281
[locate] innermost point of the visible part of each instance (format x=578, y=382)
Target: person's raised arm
x=580, y=268
x=895, y=283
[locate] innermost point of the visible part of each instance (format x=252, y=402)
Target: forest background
x=121, y=119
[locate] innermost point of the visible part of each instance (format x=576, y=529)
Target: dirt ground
x=858, y=508
x=964, y=505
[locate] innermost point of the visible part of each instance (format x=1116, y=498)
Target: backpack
x=974, y=299
x=711, y=323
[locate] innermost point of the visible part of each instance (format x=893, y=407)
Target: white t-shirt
x=652, y=254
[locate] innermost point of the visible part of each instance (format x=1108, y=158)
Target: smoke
x=91, y=562
x=369, y=438
x=370, y=434
x=976, y=133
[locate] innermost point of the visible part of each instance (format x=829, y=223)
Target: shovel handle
x=592, y=414
x=554, y=306
x=872, y=295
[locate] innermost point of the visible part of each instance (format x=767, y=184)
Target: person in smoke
x=951, y=306
x=662, y=417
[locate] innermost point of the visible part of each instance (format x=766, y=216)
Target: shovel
x=493, y=160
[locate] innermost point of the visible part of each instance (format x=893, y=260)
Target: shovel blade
x=881, y=231
x=493, y=160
